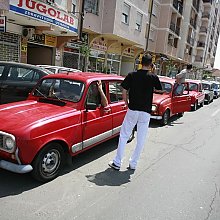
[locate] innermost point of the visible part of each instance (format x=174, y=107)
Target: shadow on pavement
x=14, y=184
x=110, y=177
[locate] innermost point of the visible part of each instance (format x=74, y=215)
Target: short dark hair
x=189, y=66
x=146, y=60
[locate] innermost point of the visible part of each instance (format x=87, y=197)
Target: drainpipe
x=81, y=13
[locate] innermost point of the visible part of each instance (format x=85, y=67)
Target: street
x=178, y=178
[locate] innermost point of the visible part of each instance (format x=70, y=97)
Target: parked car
x=209, y=93
x=17, y=80
x=216, y=89
x=174, y=101
x=38, y=133
x=196, y=93
x=59, y=69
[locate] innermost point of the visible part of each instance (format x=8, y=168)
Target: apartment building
x=183, y=31
x=35, y=31
x=115, y=31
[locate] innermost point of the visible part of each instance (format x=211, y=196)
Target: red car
x=174, y=101
x=62, y=116
x=196, y=93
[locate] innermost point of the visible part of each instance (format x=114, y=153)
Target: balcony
x=198, y=58
x=203, y=30
x=200, y=44
x=177, y=31
x=205, y=15
x=193, y=23
x=196, y=5
x=178, y=6
x=207, y=1
x=190, y=40
x=172, y=26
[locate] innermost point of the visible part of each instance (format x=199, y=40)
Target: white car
x=58, y=69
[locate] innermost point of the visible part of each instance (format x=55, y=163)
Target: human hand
x=99, y=84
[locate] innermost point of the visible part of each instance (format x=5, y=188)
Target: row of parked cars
x=63, y=116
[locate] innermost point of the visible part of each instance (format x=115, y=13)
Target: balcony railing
x=172, y=27
x=178, y=6
x=177, y=31
x=196, y=5
x=193, y=23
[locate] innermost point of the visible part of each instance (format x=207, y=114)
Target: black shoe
x=131, y=168
x=112, y=165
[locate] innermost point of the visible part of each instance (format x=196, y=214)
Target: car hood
x=21, y=115
x=158, y=98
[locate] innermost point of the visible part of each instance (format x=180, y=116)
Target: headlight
x=8, y=142
x=154, y=108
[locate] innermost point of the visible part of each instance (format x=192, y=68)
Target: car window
x=166, y=86
x=193, y=87
x=22, y=74
x=206, y=86
x=63, y=89
x=1, y=69
x=93, y=95
x=115, y=91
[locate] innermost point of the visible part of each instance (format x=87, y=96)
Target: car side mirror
x=91, y=106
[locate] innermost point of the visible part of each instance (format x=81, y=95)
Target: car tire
x=132, y=135
x=165, y=117
x=48, y=162
x=202, y=104
x=195, y=106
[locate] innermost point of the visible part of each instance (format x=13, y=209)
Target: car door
x=118, y=106
x=3, y=69
x=181, y=101
x=96, y=123
x=19, y=83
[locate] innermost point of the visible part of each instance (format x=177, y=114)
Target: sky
x=217, y=56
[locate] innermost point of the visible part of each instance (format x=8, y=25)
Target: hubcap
x=51, y=162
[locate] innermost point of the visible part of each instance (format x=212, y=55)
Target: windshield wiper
x=41, y=93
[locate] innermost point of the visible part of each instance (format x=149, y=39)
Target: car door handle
x=106, y=110
x=124, y=106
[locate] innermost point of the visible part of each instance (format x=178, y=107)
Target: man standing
x=180, y=77
x=140, y=86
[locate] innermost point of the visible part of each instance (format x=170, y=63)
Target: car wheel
x=195, y=106
x=132, y=135
x=202, y=104
x=47, y=164
x=165, y=117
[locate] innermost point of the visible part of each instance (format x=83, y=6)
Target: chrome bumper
x=157, y=117
x=16, y=168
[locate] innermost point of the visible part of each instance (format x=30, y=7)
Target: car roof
x=194, y=80
x=86, y=76
x=207, y=82
x=167, y=79
x=58, y=67
x=20, y=64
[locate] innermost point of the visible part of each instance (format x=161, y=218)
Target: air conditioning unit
x=28, y=32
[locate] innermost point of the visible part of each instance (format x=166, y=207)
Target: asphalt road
x=178, y=178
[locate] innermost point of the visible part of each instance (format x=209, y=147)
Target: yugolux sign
x=43, y=12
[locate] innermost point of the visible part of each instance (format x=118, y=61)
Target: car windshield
x=50, y=69
x=62, y=89
x=193, y=87
x=166, y=86
x=206, y=86
x=216, y=86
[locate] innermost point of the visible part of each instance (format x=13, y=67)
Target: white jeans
x=131, y=119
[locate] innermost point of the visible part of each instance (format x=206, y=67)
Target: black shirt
x=140, y=86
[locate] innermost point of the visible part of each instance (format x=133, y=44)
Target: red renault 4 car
x=63, y=115
x=196, y=93
x=174, y=101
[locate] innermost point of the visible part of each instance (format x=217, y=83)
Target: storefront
x=128, y=61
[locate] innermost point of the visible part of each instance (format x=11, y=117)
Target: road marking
x=216, y=112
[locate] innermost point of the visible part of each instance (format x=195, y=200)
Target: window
x=1, y=70
x=92, y=6
x=93, y=95
x=155, y=10
x=125, y=13
x=115, y=91
x=152, y=35
x=73, y=10
x=139, y=21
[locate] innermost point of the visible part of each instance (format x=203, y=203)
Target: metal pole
x=81, y=13
x=148, y=31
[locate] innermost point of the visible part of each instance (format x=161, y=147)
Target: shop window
x=125, y=13
x=1, y=70
x=139, y=21
x=115, y=91
x=92, y=6
x=62, y=4
x=113, y=63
